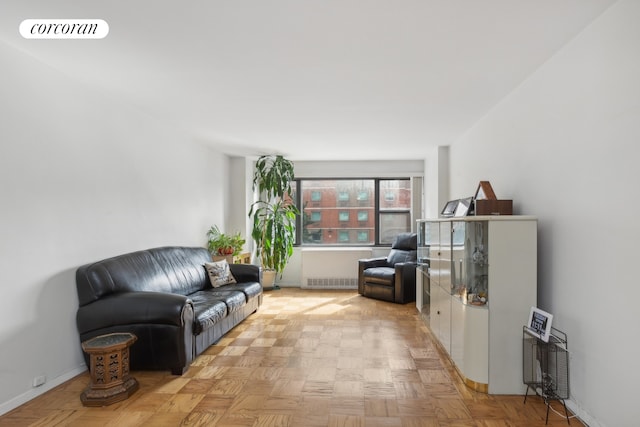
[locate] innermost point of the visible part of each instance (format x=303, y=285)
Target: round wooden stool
x=110, y=379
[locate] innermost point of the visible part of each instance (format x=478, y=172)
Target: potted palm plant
x=274, y=215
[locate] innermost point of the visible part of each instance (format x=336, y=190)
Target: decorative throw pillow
x=219, y=273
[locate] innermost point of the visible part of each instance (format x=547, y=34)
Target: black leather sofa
x=163, y=296
x=391, y=278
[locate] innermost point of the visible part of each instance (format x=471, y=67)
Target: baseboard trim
x=37, y=391
x=581, y=414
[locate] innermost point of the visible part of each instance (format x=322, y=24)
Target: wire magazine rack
x=545, y=367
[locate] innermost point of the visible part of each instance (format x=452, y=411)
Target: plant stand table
x=110, y=379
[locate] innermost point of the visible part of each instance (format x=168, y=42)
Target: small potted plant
x=224, y=245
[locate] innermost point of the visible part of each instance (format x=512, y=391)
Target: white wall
x=436, y=180
x=237, y=213
x=565, y=147
x=359, y=169
x=82, y=178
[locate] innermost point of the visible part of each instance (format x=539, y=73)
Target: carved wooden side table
x=110, y=379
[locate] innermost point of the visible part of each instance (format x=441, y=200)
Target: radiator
x=332, y=268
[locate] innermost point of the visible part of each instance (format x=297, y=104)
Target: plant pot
x=269, y=279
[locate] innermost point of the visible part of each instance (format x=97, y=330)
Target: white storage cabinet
x=479, y=285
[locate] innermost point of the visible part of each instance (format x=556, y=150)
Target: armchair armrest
x=135, y=308
x=405, y=285
x=373, y=262
x=363, y=264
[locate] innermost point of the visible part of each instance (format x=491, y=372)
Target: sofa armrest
x=245, y=272
x=135, y=308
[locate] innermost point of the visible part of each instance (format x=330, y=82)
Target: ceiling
x=310, y=79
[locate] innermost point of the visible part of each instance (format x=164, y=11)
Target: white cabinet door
x=441, y=316
x=419, y=289
x=457, y=331
x=476, y=344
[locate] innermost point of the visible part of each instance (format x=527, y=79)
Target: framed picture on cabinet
x=449, y=209
x=462, y=209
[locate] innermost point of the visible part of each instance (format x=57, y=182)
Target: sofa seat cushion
x=380, y=275
x=207, y=311
x=234, y=300
x=250, y=289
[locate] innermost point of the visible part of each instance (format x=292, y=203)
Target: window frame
x=377, y=210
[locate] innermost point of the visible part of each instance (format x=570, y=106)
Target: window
x=392, y=223
x=395, y=208
x=352, y=211
x=315, y=236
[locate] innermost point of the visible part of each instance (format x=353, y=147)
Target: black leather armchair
x=392, y=278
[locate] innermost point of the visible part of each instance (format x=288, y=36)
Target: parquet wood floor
x=306, y=358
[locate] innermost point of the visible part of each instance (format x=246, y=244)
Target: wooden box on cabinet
x=493, y=207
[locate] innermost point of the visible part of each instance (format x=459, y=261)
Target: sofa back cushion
x=178, y=270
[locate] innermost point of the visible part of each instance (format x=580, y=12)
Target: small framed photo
x=450, y=208
x=463, y=207
x=539, y=324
